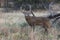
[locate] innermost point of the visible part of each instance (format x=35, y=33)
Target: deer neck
x=29, y=13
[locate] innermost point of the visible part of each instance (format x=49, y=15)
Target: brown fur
x=33, y=21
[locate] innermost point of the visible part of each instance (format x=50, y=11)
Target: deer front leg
x=32, y=34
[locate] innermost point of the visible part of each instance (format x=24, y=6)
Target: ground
x=13, y=26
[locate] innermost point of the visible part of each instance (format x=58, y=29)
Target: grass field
x=13, y=26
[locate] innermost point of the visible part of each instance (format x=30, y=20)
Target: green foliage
x=23, y=24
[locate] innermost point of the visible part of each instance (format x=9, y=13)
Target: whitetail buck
x=33, y=20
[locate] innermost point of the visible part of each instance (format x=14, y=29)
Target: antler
x=25, y=10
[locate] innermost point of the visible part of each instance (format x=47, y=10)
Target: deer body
x=34, y=21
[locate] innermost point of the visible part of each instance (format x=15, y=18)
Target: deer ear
x=22, y=10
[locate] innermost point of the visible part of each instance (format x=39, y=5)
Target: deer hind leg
x=47, y=25
x=45, y=29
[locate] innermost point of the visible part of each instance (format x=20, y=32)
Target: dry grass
x=14, y=27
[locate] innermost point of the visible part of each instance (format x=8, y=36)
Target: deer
x=32, y=20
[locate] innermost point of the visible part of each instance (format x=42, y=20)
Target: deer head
x=26, y=9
